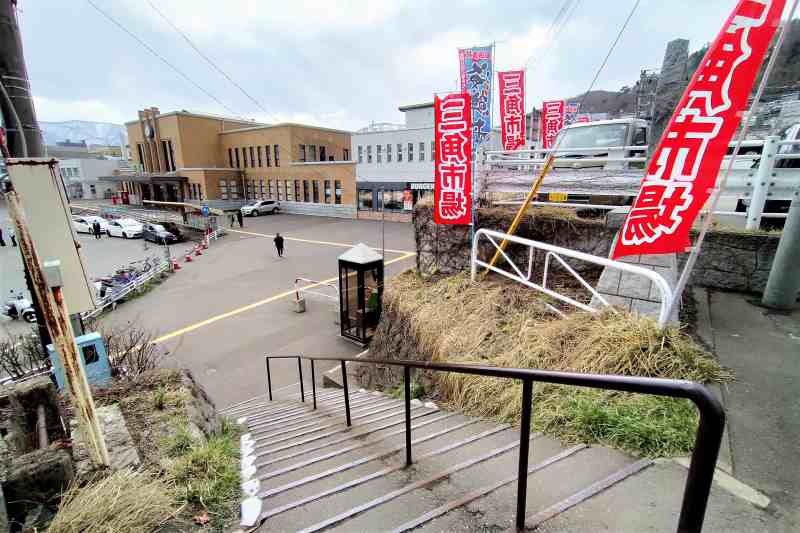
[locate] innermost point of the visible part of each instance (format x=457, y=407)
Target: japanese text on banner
x=552, y=121
x=684, y=168
x=475, y=65
x=512, y=108
x=453, y=162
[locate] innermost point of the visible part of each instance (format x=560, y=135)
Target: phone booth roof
x=360, y=254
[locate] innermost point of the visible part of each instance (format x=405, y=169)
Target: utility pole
x=19, y=116
x=783, y=284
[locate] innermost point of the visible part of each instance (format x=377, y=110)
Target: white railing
x=558, y=253
x=298, y=289
x=124, y=290
x=759, y=184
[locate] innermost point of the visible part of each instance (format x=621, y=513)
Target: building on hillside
x=69, y=150
x=82, y=177
x=224, y=162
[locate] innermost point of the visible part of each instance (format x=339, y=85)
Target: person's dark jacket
x=96, y=228
x=278, y=242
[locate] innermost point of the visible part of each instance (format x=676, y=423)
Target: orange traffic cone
x=198, y=250
x=188, y=258
x=175, y=265
x=205, y=243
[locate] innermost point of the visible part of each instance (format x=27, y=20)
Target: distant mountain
x=102, y=133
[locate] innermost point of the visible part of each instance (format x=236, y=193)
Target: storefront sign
x=408, y=200
x=512, y=108
x=453, y=163
x=476, y=80
x=425, y=186
x=552, y=121
x=571, y=112
x=684, y=167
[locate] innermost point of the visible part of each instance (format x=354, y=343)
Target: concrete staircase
x=305, y=470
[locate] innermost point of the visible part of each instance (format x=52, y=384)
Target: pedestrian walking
x=96, y=229
x=279, y=244
x=231, y=218
x=240, y=218
x=2, y=242
x=11, y=233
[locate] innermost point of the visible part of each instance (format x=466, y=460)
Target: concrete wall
x=323, y=210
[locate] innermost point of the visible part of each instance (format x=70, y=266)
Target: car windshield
x=599, y=136
x=157, y=227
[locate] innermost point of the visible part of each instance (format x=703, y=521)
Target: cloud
x=51, y=109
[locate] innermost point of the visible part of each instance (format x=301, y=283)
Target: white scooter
x=17, y=306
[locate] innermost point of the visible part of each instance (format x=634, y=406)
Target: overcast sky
x=340, y=64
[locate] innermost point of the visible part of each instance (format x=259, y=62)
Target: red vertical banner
x=552, y=121
x=512, y=108
x=453, y=163
x=683, y=169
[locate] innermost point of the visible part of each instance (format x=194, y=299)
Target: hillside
x=102, y=133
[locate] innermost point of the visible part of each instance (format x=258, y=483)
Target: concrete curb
x=733, y=486
x=333, y=377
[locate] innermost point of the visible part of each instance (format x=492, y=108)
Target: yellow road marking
x=248, y=307
x=311, y=241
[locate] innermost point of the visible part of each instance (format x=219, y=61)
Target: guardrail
x=298, y=290
x=765, y=181
x=124, y=290
x=707, y=440
x=557, y=253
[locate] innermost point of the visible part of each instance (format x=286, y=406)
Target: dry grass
x=504, y=325
x=126, y=501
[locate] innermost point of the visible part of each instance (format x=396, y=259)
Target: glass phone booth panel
x=360, y=293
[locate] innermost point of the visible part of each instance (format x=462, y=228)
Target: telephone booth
x=360, y=292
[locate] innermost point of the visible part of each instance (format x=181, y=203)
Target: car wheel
x=29, y=317
x=124, y=235
x=108, y=232
x=256, y=213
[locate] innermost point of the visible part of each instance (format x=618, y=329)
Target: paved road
x=763, y=407
x=220, y=314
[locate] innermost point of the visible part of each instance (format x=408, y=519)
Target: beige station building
x=224, y=162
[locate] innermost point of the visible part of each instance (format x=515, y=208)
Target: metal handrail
x=314, y=283
x=707, y=441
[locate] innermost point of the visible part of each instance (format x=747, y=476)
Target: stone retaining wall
x=730, y=260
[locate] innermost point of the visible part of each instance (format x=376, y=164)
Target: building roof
x=423, y=105
x=185, y=113
x=284, y=124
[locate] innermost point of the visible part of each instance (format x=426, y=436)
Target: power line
x=159, y=56
x=550, y=28
x=209, y=60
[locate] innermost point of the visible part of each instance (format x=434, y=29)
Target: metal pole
x=346, y=394
x=783, y=284
x=761, y=183
x=383, y=231
x=55, y=316
x=300, y=371
x=313, y=385
x=269, y=379
x=407, y=381
x=524, y=446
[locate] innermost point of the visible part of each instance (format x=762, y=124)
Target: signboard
x=453, y=163
x=684, y=167
x=408, y=200
x=204, y=210
x=571, y=112
x=41, y=193
x=584, y=117
x=476, y=80
x=512, y=108
x=552, y=121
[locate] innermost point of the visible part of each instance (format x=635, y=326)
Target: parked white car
x=261, y=207
x=83, y=224
x=127, y=228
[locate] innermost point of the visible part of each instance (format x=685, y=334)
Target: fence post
x=346, y=393
x=761, y=182
x=300, y=371
x=407, y=381
x=269, y=379
x=524, y=442
x=313, y=385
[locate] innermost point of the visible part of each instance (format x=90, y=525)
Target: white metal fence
x=122, y=291
x=558, y=254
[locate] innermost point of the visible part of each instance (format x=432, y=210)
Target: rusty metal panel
x=41, y=192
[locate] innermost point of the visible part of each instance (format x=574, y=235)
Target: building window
x=338, y=191
x=379, y=152
x=296, y=190
x=305, y=190
x=410, y=152
x=327, y=190
x=322, y=156
x=269, y=187
x=369, y=153
x=388, y=153
x=260, y=162
x=276, y=151
x=266, y=152
x=399, y=153
x=360, y=153
x=365, y=199
x=393, y=200
x=303, y=153
x=289, y=191
x=261, y=188
x=244, y=156
x=230, y=157
x=169, y=155
x=252, y=157
x=422, y=151
x=312, y=152
x=140, y=151
x=234, y=186
x=433, y=151
x=315, y=185
x=223, y=189
x=236, y=151
x=278, y=186
x=346, y=154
